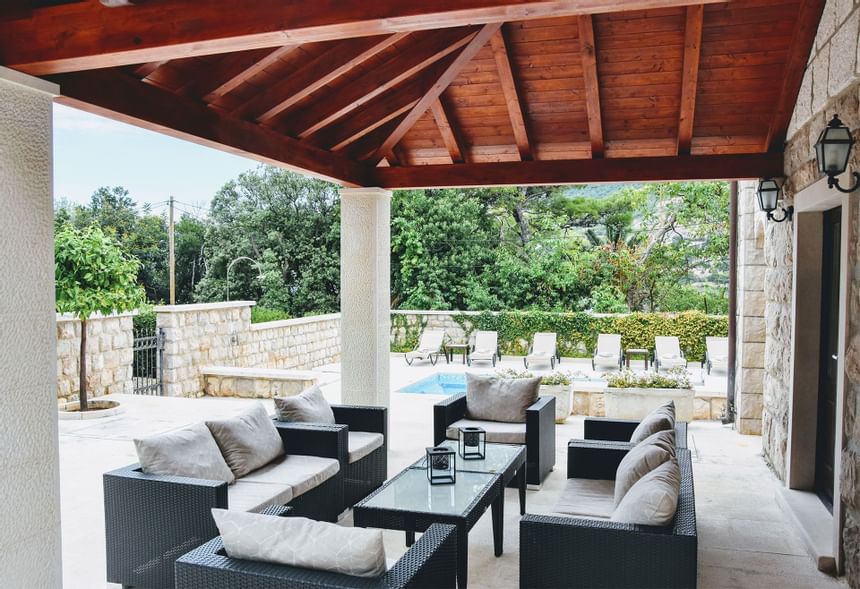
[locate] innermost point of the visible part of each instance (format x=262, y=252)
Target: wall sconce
x=769, y=193
x=832, y=151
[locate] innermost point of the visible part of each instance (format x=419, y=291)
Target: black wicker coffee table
x=409, y=502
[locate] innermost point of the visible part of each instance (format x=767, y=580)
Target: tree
x=93, y=275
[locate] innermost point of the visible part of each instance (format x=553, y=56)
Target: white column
x=365, y=260
x=30, y=553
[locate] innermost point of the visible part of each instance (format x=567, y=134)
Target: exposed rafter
x=241, y=67
x=452, y=71
x=690, y=80
x=87, y=35
x=592, y=88
x=642, y=169
x=512, y=98
x=450, y=135
x=120, y=96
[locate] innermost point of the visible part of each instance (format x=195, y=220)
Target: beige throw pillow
x=653, y=500
x=662, y=418
x=301, y=542
x=187, y=452
x=309, y=406
x=247, y=441
x=642, y=459
x=492, y=398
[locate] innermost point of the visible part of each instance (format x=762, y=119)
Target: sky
x=92, y=151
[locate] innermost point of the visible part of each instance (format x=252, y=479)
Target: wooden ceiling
x=442, y=92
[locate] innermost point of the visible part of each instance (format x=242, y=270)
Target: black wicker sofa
x=151, y=520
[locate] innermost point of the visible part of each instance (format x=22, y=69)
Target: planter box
x=563, y=394
x=637, y=403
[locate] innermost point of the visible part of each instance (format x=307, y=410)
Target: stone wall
x=109, y=356
x=749, y=360
x=705, y=406
x=419, y=320
x=221, y=334
x=831, y=85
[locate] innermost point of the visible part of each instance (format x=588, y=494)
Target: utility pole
x=172, y=258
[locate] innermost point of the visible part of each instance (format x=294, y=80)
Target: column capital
x=368, y=191
x=30, y=82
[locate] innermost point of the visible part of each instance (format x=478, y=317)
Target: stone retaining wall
x=255, y=383
x=705, y=407
x=109, y=356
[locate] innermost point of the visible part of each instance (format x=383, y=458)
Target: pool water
x=438, y=384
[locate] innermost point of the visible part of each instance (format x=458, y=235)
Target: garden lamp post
x=239, y=259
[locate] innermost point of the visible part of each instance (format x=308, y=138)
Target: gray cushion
x=246, y=495
x=309, y=406
x=361, y=444
x=642, y=459
x=302, y=473
x=188, y=452
x=301, y=542
x=662, y=418
x=587, y=497
x=492, y=398
x=497, y=432
x=247, y=441
x=653, y=500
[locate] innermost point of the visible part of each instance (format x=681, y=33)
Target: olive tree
x=93, y=275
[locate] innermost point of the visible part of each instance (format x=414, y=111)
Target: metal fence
x=148, y=367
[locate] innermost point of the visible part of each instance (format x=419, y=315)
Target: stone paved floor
x=744, y=540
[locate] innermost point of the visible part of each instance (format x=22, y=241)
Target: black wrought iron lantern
x=441, y=466
x=473, y=443
x=832, y=151
x=769, y=194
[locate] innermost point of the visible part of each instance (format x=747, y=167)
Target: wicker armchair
x=363, y=476
x=620, y=430
x=151, y=520
x=430, y=563
x=564, y=551
x=540, y=432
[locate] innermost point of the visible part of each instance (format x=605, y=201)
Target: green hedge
x=262, y=315
x=577, y=332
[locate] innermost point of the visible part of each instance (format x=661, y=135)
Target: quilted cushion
x=309, y=406
x=653, y=500
x=301, y=542
x=187, y=452
x=662, y=418
x=492, y=398
x=247, y=441
x=642, y=459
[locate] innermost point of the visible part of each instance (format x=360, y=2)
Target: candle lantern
x=473, y=443
x=441, y=466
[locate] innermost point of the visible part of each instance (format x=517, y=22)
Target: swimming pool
x=438, y=384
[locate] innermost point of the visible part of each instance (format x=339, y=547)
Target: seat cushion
x=587, y=497
x=301, y=542
x=363, y=443
x=187, y=452
x=642, y=459
x=662, y=418
x=247, y=441
x=309, y=406
x=653, y=500
x=246, y=495
x=494, y=398
x=302, y=473
x=497, y=432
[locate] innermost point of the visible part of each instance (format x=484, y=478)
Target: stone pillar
x=749, y=363
x=365, y=276
x=30, y=535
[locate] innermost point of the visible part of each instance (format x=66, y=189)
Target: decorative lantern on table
x=441, y=466
x=473, y=443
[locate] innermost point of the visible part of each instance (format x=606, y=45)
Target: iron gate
x=148, y=367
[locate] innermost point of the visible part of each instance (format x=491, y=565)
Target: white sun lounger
x=543, y=350
x=717, y=355
x=667, y=353
x=485, y=348
x=429, y=347
x=607, y=356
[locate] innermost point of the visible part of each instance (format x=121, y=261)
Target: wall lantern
x=832, y=151
x=769, y=193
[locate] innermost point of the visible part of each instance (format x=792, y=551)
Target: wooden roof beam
x=583, y=171
x=452, y=71
x=450, y=134
x=690, y=79
x=592, y=87
x=119, y=96
x=87, y=35
x=512, y=99
x=241, y=67
x=804, y=36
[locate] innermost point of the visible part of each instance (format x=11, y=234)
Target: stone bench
x=255, y=383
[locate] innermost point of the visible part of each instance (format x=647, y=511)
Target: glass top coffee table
x=409, y=502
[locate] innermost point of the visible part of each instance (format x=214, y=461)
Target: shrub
x=554, y=378
x=145, y=319
x=675, y=378
x=263, y=314
x=406, y=329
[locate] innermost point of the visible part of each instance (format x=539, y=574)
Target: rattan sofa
x=566, y=551
x=539, y=432
x=430, y=563
x=151, y=520
x=363, y=476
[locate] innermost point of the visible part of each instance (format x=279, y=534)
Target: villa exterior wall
x=221, y=334
x=110, y=356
